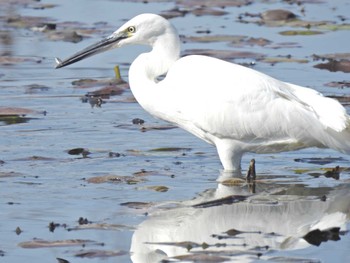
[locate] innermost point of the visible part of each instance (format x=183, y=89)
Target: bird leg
x=251, y=175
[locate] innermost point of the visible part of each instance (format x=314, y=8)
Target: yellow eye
x=131, y=29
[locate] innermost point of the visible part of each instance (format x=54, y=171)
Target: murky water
x=147, y=196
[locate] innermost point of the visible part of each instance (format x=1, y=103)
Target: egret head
x=143, y=29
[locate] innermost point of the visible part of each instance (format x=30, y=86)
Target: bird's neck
x=147, y=67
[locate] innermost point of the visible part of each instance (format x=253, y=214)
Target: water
x=41, y=183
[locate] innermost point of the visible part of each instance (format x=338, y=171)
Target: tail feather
x=339, y=141
x=331, y=114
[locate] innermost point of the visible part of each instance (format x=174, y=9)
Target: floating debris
x=300, y=33
x=201, y=258
x=339, y=84
x=251, y=174
x=18, y=230
x=316, y=237
x=334, y=173
x=40, y=243
x=171, y=149
x=222, y=201
x=335, y=65
x=100, y=226
x=158, y=188
x=321, y=161
x=138, y=121
x=83, y=221
x=138, y=205
x=61, y=260
x=79, y=151
x=100, y=253
x=115, y=179
x=277, y=15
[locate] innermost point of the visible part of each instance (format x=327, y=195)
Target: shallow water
x=41, y=183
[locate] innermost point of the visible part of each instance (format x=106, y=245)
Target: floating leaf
x=300, y=33
x=9, y=174
x=322, y=161
x=101, y=226
x=137, y=205
x=158, y=188
x=286, y=59
x=316, y=237
x=277, y=15
x=40, y=243
x=115, y=179
x=201, y=258
x=335, y=65
x=100, y=253
x=338, y=84
x=77, y=151
x=170, y=149
x=222, y=201
x=233, y=181
x=334, y=27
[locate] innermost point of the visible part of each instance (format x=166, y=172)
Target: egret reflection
x=276, y=218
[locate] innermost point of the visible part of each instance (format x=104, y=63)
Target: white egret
x=235, y=108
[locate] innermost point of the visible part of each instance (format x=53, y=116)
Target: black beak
x=101, y=46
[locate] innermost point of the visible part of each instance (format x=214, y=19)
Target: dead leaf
x=40, y=243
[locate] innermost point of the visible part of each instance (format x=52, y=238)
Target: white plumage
x=235, y=108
